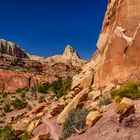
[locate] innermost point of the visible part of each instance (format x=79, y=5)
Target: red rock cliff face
x=118, y=53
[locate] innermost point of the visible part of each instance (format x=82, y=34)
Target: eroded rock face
x=18, y=69
x=118, y=54
x=12, y=49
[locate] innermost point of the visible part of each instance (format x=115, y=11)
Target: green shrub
x=43, y=88
x=20, y=90
x=104, y=101
x=6, y=107
x=24, y=136
x=59, y=87
x=7, y=133
x=129, y=90
x=19, y=104
x=76, y=119
x=41, y=99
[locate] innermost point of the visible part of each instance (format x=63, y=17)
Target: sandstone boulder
x=92, y=118
x=108, y=88
x=56, y=109
x=36, y=110
x=94, y=106
x=73, y=104
x=19, y=128
x=33, y=125
x=93, y=95
x=84, y=79
x=124, y=106
x=44, y=135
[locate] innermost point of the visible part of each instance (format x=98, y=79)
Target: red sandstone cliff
x=18, y=69
x=118, y=55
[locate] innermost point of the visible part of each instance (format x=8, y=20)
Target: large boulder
x=124, y=106
x=19, y=127
x=41, y=133
x=93, y=95
x=84, y=79
x=37, y=109
x=33, y=125
x=56, y=109
x=92, y=118
x=82, y=96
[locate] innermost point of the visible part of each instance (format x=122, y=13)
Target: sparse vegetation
x=7, y=133
x=6, y=107
x=19, y=104
x=105, y=101
x=20, y=90
x=75, y=120
x=59, y=87
x=41, y=99
x=24, y=136
x=129, y=90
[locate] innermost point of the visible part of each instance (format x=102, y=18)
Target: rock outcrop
x=18, y=69
x=118, y=53
x=12, y=49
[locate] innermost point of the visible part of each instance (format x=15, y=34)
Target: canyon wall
x=118, y=48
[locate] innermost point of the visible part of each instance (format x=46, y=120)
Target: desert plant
x=59, y=87
x=6, y=107
x=41, y=99
x=24, y=136
x=75, y=120
x=104, y=101
x=43, y=88
x=19, y=104
x=129, y=90
x=20, y=90
x=7, y=133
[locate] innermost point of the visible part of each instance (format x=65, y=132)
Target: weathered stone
x=33, y=125
x=94, y=106
x=84, y=79
x=117, y=57
x=93, y=95
x=82, y=96
x=109, y=87
x=124, y=106
x=87, y=81
x=92, y=118
x=56, y=109
x=45, y=135
x=12, y=49
x=19, y=128
x=36, y=110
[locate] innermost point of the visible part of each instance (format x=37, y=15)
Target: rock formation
x=19, y=69
x=12, y=49
x=117, y=57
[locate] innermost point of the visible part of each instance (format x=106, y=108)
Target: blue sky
x=45, y=27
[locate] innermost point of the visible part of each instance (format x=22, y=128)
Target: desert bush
x=59, y=87
x=43, y=88
x=20, y=90
x=105, y=101
x=19, y=104
x=7, y=133
x=41, y=99
x=24, y=136
x=129, y=90
x=6, y=107
x=76, y=119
